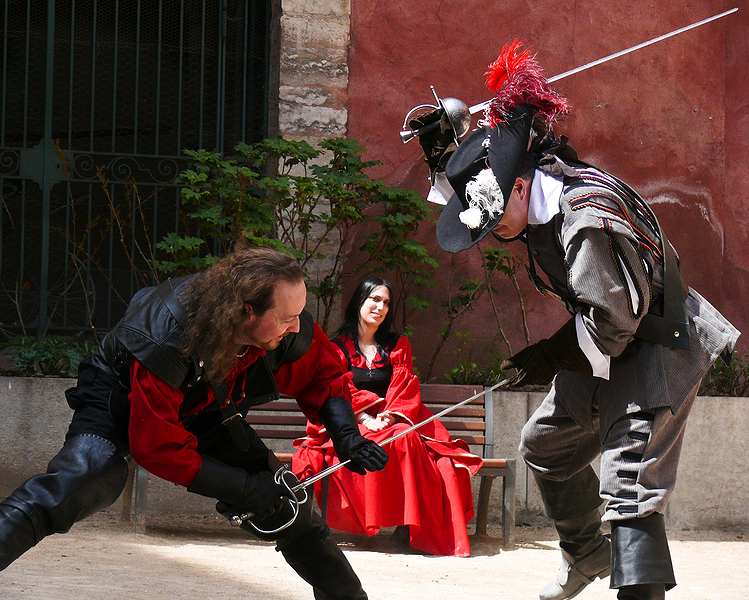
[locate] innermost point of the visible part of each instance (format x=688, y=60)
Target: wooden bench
x=472, y=422
x=282, y=422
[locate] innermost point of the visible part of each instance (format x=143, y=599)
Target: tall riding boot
x=323, y=565
x=573, y=506
x=641, y=565
x=86, y=475
x=17, y=534
x=643, y=591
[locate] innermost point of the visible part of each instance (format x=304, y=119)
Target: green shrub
x=727, y=379
x=54, y=356
x=468, y=372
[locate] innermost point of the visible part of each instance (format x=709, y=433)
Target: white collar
x=546, y=193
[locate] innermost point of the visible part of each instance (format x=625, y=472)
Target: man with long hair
x=170, y=385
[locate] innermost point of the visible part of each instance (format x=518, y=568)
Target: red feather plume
x=517, y=78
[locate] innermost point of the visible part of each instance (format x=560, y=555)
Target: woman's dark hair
x=385, y=337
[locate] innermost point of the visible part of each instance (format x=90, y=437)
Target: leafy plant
x=468, y=372
x=727, y=379
x=398, y=215
x=57, y=356
x=462, y=300
x=310, y=203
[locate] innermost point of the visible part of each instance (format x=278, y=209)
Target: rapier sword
x=477, y=107
x=237, y=520
x=459, y=114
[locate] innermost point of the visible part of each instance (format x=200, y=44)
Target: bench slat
x=471, y=440
x=477, y=412
x=464, y=425
x=452, y=395
x=269, y=419
x=280, y=434
x=279, y=405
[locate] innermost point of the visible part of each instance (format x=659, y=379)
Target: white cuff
x=600, y=362
x=441, y=191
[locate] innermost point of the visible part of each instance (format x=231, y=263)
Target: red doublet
x=161, y=444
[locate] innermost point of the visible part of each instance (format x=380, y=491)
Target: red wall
x=671, y=119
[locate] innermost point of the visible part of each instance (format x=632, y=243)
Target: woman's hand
x=378, y=423
x=387, y=417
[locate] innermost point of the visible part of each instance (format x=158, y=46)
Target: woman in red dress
x=426, y=484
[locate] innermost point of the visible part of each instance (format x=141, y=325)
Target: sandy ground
x=202, y=557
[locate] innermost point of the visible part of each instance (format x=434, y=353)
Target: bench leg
x=141, y=499
x=482, y=512
x=508, y=505
x=127, y=493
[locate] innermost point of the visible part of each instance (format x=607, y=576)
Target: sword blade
x=482, y=106
x=332, y=469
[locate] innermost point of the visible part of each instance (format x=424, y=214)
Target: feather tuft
x=516, y=78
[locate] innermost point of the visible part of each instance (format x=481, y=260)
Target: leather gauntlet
x=539, y=363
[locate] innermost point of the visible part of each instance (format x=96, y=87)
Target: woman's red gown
x=426, y=483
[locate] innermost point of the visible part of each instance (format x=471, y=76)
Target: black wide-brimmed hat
x=480, y=199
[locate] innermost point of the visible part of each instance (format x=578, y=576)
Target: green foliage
x=469, y=291
x=307, y=202
x=55, y=356
x=399, y=214
x=468, y=372
x=727, y=379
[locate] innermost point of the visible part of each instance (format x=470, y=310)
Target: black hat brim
x=506, y=155
x=453, y=235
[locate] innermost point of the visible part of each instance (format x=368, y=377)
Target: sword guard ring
x=294, y=502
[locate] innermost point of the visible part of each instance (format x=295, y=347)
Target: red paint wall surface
x=672, y=120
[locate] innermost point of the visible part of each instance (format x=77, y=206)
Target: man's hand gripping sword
x=237, y=520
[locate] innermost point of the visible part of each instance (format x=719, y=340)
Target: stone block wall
x=313, y=69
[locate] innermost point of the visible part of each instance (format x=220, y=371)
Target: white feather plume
x=483, y=194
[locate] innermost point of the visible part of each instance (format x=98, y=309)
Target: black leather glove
x=537, y=364
x=338, y=417
x=257, y=494
x=437, y=144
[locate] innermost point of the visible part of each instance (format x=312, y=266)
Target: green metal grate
x=99, y=100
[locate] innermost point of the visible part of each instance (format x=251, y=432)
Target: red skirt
x=426, y=485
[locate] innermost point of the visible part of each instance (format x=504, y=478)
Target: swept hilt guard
x=457, y=113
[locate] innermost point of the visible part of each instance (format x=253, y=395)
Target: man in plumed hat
x=626, y=367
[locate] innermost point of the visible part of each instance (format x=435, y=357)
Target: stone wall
x=313, y=52
x=313, y=69
x=712, y=489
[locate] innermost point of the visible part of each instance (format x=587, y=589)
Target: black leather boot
x=17, y=534
x=86, y=476
x=643, y=591
x=586, y=552
x=323, y=565
x=641, y=565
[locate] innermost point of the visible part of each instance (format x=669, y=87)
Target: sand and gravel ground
x=202, y=558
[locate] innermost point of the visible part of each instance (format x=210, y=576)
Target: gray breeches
x=639, y=454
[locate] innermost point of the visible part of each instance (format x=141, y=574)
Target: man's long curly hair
x=217, y=297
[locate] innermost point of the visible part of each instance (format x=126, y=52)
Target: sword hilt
x=294, y=502
x=237, y=520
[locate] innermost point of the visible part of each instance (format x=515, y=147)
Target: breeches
x=639, y=454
